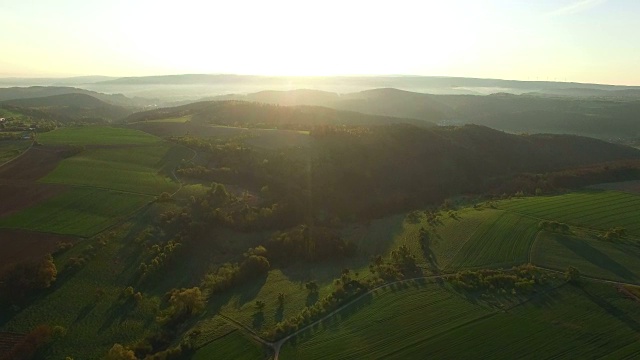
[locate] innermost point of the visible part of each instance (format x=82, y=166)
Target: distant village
x=15, y=131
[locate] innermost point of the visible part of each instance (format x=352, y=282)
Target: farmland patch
x=126, y=169
x=597, y=258
x=505, y=241
x=20, y=245
x=96, y=135
x=601, y=210
x=82, y=212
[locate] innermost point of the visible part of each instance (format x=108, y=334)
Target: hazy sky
x=573, y=40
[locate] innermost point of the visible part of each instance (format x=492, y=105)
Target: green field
x=133, y=169
x=394, y=324
x=594, y=209
x=597, y=258
x=96, y=135
x=240, y=304
x=9, y=149
x=594, y=321
x=588, y=322
x=449, y=237
x=234, y=345
x=81, y=212
x=503, y=241
x=179, y=120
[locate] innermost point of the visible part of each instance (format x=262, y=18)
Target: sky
x=593, y=41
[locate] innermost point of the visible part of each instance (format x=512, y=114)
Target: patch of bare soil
x=8, y=340
x=33, y=164
x=15, y=197
x=21, y=245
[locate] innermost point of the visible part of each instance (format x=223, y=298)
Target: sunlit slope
x=599, y=210
x=590, y=321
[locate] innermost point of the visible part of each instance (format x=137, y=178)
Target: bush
x=24, y=278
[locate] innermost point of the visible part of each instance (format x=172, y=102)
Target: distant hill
x=402, y=82
x=531, y=113
x=66, y=81
x=15, y=93
x=386, y=102
x=248, y=114
x=67, y=107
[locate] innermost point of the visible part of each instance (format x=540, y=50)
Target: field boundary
x=18, y=156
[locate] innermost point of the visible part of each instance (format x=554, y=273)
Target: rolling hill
x=67, y=108
x=604, y=118
x=16, y=93
x=246, y=114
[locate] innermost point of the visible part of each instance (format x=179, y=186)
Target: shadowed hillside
x=246, y=114
x=604, y=118
x=67, y=108
x=16, y=93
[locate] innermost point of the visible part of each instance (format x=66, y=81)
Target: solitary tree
x=312, y=286
x=572, y=274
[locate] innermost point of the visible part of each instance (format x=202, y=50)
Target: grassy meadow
x=81, y=211
x=136, y=169
x=233, y=345
x=96, y=135
x=587, y=321
x=503, y=241
x=596, y=209
x=596, y=258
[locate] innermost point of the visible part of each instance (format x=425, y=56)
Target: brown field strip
x=22, y=245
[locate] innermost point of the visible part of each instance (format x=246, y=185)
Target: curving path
x=277, y=345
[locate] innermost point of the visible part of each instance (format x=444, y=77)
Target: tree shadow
x=84, y=312
x=249, y=291
x=117, y=311
x=257, y=320
x=612, y=310
x=312, y=298
x=596, y=257
x=278, y=316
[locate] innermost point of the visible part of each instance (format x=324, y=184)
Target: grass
x=233, y=345
x=97, y=135
x=597, y=258
x=93, y=321
x=82, y=212
x=600, y=210
x=393, y=321
x=179, y=120
x=125, y=169
x=12, y=148
x=594, y=321
x=210, y=329
x=239, y=303
x=591, y=321
x=449, y=237
x=634, y=290
x=503, y=241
